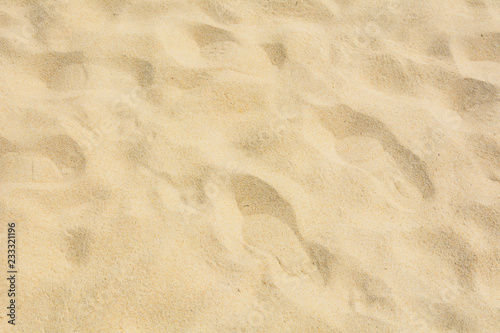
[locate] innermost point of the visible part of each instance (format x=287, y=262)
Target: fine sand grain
x=251, y=165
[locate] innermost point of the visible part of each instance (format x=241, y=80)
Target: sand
x=250, y=165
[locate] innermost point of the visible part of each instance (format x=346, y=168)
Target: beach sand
x=250, y=165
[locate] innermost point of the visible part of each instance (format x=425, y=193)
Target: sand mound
x=251, y=166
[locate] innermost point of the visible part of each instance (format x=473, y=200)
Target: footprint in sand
x=54, y=159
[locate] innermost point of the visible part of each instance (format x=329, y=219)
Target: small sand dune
x=251, y=165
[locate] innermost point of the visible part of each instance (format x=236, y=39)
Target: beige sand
x=251, y=165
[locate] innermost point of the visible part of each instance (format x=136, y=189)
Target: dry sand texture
x=251, y=165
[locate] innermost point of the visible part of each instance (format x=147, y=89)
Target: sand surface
x=251, y=165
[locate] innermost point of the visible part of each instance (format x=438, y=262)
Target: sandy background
x=251, y=166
